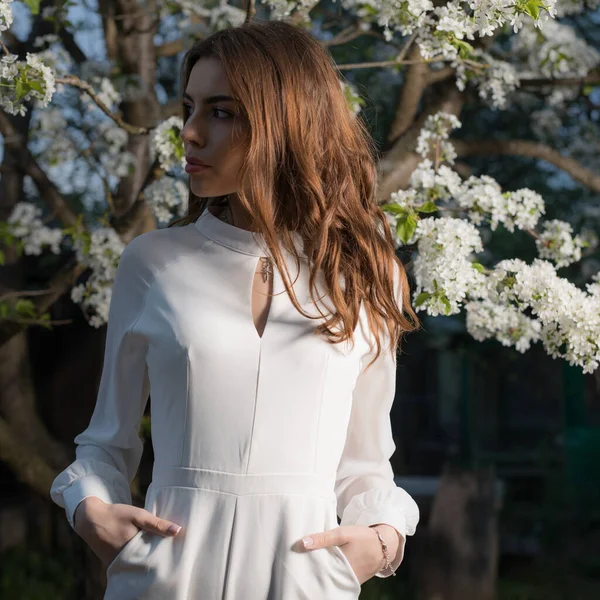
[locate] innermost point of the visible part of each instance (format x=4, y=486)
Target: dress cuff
x=390, y=506
x=89, y=485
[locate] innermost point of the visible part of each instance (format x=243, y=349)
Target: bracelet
x=385, y=553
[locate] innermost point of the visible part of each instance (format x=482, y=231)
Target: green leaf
x=394, y=208
x=37, y=86
x=446, y=303
x=19, y=89
x=478, y=266
x=587, y=90
x=34, y=6
x=428, y=207
x=43, y=318
x=422, y=297
x=406, y=227
x=532, y=8
x=465, y=50
x=25, y=307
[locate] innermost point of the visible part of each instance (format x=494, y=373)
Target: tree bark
x=459, y=552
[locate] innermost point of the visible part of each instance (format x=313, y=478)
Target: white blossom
x=556, y=243
x=101, y=253
x=434, y=135
x=443, y=267
x=167, y=143
x=33, y=76
x=167, y=196
x=483, y=198
x=25, y=224
x=110, y=149
x=486, y=319
x=50, y=127
x=559, y=54
x=44, y=75
x=352, y=96
x=215, y=16
x=405, y=198
x=545, y=122
x=495, y=80
x=6, y=16
x=575, y=7
x=442, y=184
x=570, y=317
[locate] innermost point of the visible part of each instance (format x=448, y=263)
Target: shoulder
x=141, y=262
x=150, y=253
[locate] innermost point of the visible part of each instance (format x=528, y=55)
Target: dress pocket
x=129, y=545
x=318, y=573
x=128, y=550
x=337, y=551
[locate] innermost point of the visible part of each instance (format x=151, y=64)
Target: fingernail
x=307, y=541
x=174, y=529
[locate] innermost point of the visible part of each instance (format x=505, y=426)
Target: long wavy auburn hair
x=311, y=169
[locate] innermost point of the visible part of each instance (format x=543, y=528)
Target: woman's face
x=214, y=130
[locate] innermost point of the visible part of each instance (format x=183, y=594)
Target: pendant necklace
x=267, y=265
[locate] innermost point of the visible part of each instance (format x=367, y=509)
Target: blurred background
x=499, y=447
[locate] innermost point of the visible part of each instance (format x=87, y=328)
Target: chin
x=200, y=190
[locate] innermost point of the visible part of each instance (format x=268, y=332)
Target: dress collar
x=236, y=238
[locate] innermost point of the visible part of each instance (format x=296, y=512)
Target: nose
x=191, y=132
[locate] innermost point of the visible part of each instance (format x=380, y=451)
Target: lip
x=195, y=161
x=193, y=168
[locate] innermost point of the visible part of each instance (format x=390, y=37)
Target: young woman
x=265, y=325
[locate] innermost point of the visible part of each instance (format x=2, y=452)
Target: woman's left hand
x=361, y=546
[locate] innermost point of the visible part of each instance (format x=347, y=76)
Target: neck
x=236, y=210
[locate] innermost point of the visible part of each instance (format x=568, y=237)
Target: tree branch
x=60, y=283
x=17, y=144
x=440, y=75
x=124, y=224
x=533, y=150
x=592, y=78
x=74, y=81
x=399, y=161
x=29, y=467
x=415, y=83
x=384, y=63
x=250, y=11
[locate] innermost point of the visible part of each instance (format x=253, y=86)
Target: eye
x=187, y=110
x=222, y=111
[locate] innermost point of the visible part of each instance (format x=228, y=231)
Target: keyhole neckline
x=236, y=238
x=273, y=286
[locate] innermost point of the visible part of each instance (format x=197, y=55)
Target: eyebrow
x=212, y=99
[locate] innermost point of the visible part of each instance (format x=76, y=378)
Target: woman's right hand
x=106, y=528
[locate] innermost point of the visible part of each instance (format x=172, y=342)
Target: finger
x=322, y=539
x=155, y=524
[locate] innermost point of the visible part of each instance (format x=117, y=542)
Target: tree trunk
x=459, y=551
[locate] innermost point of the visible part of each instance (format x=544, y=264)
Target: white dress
x=258, y=441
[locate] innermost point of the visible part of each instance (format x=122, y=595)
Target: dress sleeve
x=109, y=450
x=365, y=488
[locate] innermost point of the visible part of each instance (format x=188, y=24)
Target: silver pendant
x=267, y=269
x=267, y=265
